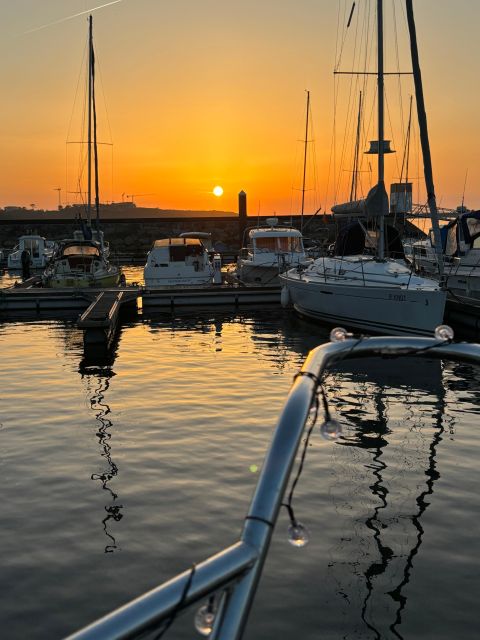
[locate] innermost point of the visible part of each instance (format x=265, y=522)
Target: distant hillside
x=116, y=210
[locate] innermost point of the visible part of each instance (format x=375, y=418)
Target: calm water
x=117, y=476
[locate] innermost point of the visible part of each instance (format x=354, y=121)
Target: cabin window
x=80, y=250
x=178, y=253
x=33, y=246
x=266, y=244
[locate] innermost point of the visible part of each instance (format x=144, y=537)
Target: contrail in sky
x=50, y=24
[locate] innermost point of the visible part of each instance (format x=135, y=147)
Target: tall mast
x=305, y=159
x=89, y=143
x=381, y=157
x=95, y=145
x=422, y=123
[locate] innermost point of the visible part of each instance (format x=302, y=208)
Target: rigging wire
x=107, y=117
x=314, y=167
x=82, y=156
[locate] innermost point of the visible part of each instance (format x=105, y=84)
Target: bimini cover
x=470, y=225
x=350, y=241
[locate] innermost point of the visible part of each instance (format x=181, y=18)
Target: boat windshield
x=178, y=253
x=80, y=250
x=283, y=243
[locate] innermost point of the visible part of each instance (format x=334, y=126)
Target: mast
x=305, y=159
x=422, y=123
x=381, y=150
x=89, y=143
x=95, y=148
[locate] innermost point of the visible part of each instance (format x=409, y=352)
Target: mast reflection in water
x=400, y=464
x=98, y=385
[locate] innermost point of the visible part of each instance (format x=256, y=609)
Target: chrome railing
x=233, y=574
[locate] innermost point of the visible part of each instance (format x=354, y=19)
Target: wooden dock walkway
x=100, y=320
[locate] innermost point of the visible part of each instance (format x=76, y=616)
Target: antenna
x=59, y=189
x=464, y=187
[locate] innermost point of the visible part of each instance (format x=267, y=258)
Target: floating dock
x=28, y=298
x=213, y=296
x=100, y=320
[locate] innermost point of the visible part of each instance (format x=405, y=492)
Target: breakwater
x=132, y=231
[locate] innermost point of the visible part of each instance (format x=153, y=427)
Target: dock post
x=242, y=216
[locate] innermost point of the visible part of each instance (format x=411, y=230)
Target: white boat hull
x=257, y=274
x=378, y=309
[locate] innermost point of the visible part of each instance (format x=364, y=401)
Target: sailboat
x=376, y=293
x=82, y=261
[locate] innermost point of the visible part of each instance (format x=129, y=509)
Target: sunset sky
x=209, y=93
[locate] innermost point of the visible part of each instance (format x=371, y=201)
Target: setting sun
x=217, y=191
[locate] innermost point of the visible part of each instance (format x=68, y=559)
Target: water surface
x=117, y=475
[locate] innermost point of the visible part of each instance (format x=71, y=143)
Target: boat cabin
x=186, y=250
x=78, y=255
x=178, y=261
x=266, y=245
x=40, y=251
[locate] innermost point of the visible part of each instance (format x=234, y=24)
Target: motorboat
x=183, y=261
x=79, y=264
x=270, y=250
x=39, y=249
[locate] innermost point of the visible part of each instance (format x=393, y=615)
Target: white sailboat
x=82, y=261
x=379, y=294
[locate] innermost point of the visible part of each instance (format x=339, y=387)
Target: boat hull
x=257, y=274
x=83, y=281
x=375, y=309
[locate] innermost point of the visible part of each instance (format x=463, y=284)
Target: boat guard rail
x=235, y=571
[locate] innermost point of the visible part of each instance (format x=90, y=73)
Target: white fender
x=285, y=296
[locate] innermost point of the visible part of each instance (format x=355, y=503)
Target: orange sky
x=213, y=92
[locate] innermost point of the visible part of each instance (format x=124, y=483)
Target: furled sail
x=373, y=206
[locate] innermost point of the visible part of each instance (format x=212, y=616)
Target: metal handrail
x=238, y=568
